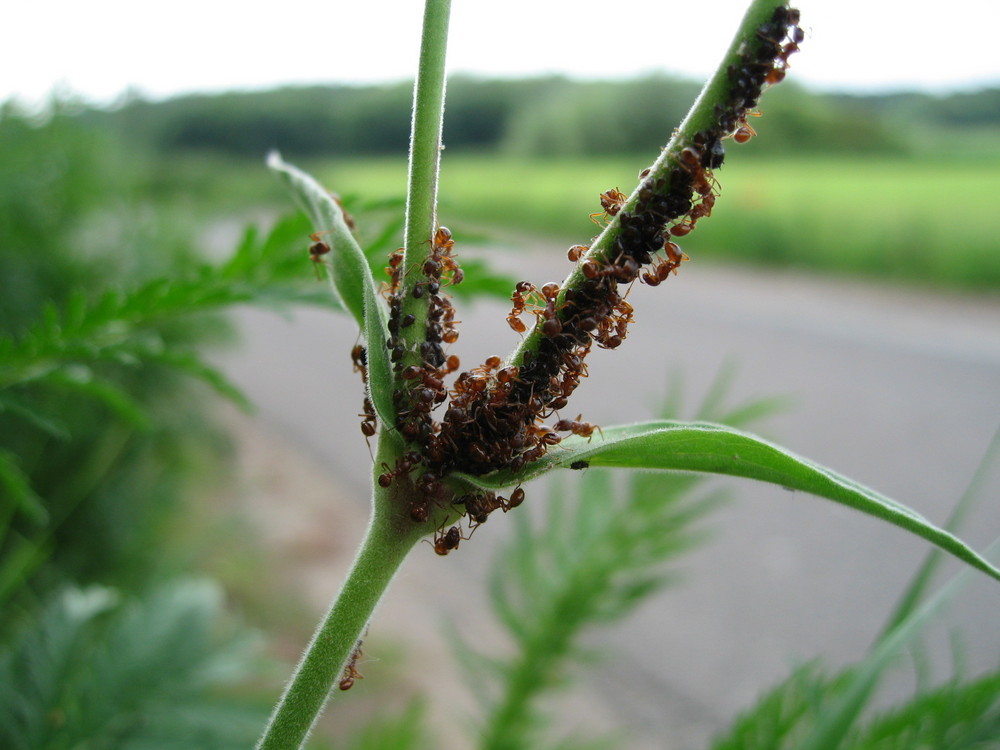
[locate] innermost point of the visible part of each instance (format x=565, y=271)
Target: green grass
x=926, y=221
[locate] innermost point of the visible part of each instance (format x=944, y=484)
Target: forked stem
x=391, y=533
x=388, y=540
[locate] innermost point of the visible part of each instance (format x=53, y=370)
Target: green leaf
x=15, y=486
x=352, y=279
x=715, y=449
x=380, y=375
x=349, y=269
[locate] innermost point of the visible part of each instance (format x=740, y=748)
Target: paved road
x=899, y=390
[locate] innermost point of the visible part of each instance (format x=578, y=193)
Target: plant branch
x=716, y=96
x=388, y=540
x=425, y=156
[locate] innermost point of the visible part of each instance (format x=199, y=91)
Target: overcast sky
x=101, y=48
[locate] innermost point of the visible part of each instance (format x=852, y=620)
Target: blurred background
x=852, y=269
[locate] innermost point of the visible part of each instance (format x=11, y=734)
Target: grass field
x=922, y=221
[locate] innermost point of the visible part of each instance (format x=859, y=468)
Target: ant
x=552, y=326
x=662, y=270
x=516, y=498
x=441, y=258
x=317, y=250
x=351, y=672
x=744, y=132
x=583, y=429
x=448, y=541
x=518, y=298
x=359, y=356
x=404, y=465
x=369, y=422
x=394, y=269
x=576, y=252
x=611, y=203
x=348, y=219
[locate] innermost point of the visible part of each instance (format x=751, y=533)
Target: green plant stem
x=425, y=157
x=388, y=540
x=716, y=92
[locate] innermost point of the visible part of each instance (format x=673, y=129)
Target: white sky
x=100, y=48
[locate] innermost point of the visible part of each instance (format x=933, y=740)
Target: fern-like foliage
x=125, y=326
x=95, y=345
x=97, y=669
x=958, y=715
x=598, y=554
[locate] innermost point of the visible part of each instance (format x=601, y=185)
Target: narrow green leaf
x=380, y=375
x=843, y=713
x=15, y=486
x=914, y=593
x=715, y=449
x=349, y=268
x=352, y=279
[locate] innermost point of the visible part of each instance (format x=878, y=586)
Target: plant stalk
x=702, y=115
x=388, y=540
x=425, y=157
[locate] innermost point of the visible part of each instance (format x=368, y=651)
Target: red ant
x=394, y=269
x=552, y=325
x=744, y=132
x=612, y=202
x=518, y=298
x=360, y=359
x=441, y=258
x=348, y=219
x=576, y=252
x=448, y=541
x=662, y=270
x=516, y=498
x=351, y=672
x=404, y=465
x=583, y=429
x=369, y=422
x=317, y=250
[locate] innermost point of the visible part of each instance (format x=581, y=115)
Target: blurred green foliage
x=100, y=669
x=107, y=305
x=544, y=116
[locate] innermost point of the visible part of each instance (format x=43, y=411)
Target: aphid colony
x=496, y=413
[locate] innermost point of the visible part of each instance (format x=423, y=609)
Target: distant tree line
x=535, y=116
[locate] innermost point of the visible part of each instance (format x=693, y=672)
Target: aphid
x=579, y=465
x=611, y=203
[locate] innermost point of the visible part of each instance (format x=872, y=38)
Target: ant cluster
x=495, y=418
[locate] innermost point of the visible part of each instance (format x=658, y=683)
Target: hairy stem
x=425, y=155
x=702, y=116
x=388, y=540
